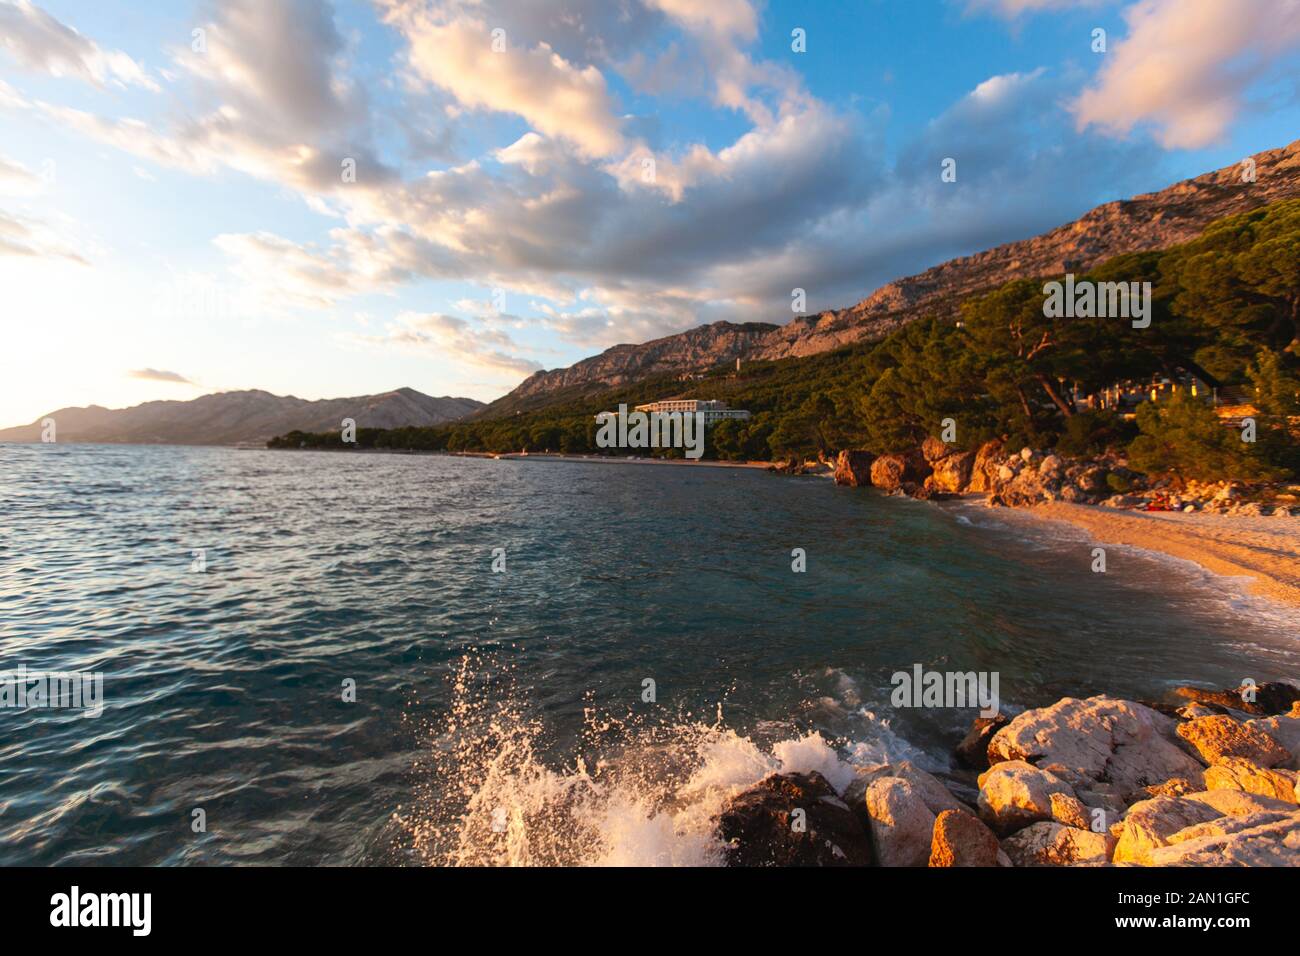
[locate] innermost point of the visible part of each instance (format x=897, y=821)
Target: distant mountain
x=1148, y=222
x=232, y=418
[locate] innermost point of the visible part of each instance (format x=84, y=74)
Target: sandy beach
x=1265, y=549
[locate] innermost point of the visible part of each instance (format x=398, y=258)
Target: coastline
x=1263, y=549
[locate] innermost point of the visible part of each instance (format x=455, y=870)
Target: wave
x=633, y=792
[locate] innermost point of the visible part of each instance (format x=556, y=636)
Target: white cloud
x=558, y=97
x=43, y=44
x=455, y=338
x=1185, y=67
x=25, y=236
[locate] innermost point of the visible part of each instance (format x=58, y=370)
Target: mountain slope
x=697, y=349
x=1151, y=221
x=252, y=416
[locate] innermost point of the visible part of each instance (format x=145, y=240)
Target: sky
x=339, y=198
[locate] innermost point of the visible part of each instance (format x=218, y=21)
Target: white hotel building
x=713, y=411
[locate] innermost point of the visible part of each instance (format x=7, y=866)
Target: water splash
x=635, y=794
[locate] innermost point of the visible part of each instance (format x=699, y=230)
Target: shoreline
x=1264, y=550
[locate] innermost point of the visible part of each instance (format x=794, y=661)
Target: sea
x=324, y=658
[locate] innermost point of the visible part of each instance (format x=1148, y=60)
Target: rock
x=1051, y=465
x=1258, y=840
x=1014, y=794
x=902, y=827
x=1149, y=824
x=1220, y=736
x=853, y=468
x=1236, y=803
x=891, y=472
x=985, y=467
x=1101, y=738
x=932, y=449
x=1284, y=728
x=973, y=751
x=1237, y=773
x=1192, y=711
x=1005, y=473
x=1070, y=811
x=1266, y=699
x=952, y=473
x=1225, y=825
x=759, y=825
x=932, y=791
x=1176, y=787
x=1052, y=844
x=960, y=839
x=1026, y=454
x=1092, y=480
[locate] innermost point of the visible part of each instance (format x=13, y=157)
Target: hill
x=239, y=417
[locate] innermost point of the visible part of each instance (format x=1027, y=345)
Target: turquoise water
x=500, y=717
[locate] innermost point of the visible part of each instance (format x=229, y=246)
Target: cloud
x=23, y=236
x=159, y=375
x=455, y=338
x=43, y=44
x=559, y=98
x=17, y=180
x=269, y=95
x=1186, y=65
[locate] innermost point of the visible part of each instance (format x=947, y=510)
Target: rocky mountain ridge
x=250, y=416
x=1150, y=221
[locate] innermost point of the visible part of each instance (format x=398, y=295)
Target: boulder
x=932, y=791
x=853, y=468
x=1092, y=480
x=1256, y=840
x=1102, y=738
x=1014, y=794
x=1237, y=803
x=960, y=839
x=1175, y=787
x=902, y=827
x=1237, y=773
x=1220, y=736
x=952, y=473
x=973, y=751
x=985, y=467
x=1149, y=824
x=1266, y=699
x=1052, y=844
x=1052, y=465
x=1070, y=811
x=1285, y=729
x=893, y=472
x=760, y=826
x=932, y=449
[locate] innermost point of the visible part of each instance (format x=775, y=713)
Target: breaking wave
x=633, y=792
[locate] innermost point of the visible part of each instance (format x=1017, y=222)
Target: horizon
x=488, y=233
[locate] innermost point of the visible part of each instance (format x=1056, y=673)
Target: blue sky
x=174, y=216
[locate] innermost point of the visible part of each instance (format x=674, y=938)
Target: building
x=712, y=410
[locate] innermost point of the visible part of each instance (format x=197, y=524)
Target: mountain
x=696, y=349
x=1151, y=221
x=231, y=418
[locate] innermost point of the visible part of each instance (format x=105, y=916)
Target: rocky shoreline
x=1029, y=477
x=1083, y=782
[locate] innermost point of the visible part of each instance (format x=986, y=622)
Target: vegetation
x=1225, y=308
